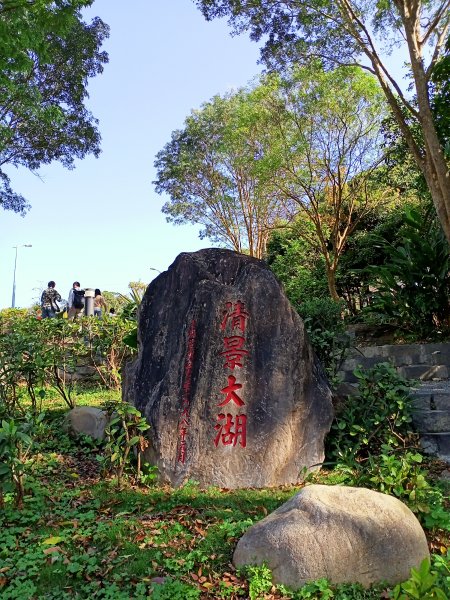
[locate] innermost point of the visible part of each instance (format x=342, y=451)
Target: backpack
x=78, y=299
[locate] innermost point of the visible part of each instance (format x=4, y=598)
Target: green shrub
x=124, y=433
x=259, y=581
x=370, y=444
x=22, y=360
x=426, y=582
x=413, y=286
x=35, y=355
x=379, y=415
x=326, y=330
x=300, y=268
x=107, y=349
x=16, y=446
x=401, y=474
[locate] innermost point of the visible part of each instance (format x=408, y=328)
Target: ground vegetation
x=87, y=518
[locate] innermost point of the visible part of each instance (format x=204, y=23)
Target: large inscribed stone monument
x=226, y=376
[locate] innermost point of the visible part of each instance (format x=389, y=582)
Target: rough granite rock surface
x=226, y=376
x=87, y=420
x=343, y=534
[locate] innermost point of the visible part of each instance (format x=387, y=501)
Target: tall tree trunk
x=430, y=160
x=434, y=165
x=437, y=177
x=331, y=280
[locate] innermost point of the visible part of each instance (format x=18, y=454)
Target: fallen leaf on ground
x=51, y=541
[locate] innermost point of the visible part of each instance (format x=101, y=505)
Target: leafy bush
x=22, y=362
x=108, y=350
x=427, y=582
x=370, y=442
x=16, y=446
x=379, y=415
x=352, y=278
x=124, y=433
x=62, y=351
x=37, y=354
x=323, y=322
x=300, y=268
x=413, y=286
x=259, y=581
x=400, y=474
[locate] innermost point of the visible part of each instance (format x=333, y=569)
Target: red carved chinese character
x=238, y=316
x=234, y=351
x=182, y=452
x=225, y=433
x=230, y=392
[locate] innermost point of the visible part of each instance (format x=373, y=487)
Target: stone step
x=430, y=401
x=424, y=372
x=432, y=421
x=419, y=372
x=437, y=444
x=431, y=417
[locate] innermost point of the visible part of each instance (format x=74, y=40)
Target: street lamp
x=153, y=269
x=13, y=301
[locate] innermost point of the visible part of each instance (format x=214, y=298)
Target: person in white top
x=75, y=301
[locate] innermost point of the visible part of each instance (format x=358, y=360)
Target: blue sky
x=101, y=223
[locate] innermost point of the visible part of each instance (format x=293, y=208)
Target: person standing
x=99, y=303
x=49, y=299
x=75, y=301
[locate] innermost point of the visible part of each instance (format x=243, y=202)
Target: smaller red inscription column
x=186, y=392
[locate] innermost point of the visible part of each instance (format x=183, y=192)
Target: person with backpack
x=75, y=301
x=49, y=299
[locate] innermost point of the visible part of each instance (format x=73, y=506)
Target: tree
x=346, y=31
x=327, y=149
x=440, y=100
x=353, y=280
x=298, y=266
x=211, y=171
x=48, y=53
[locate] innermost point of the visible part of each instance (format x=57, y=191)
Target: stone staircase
x=431, y=416
x=428, y=365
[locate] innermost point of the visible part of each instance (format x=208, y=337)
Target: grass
x=82, y=396
x=79, y=537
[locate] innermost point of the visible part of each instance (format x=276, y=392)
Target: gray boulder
x=344, y=534
x=87, y=420
x=226, y=377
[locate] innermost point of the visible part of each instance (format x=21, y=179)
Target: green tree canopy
x=251, y=161
x=47, y=55
x=212, y=171
x=348, y=31
x=327, y=149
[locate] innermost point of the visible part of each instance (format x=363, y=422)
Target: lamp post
x=153, y=269
x=13, y=301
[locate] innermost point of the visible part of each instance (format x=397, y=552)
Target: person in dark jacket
x=49, y=299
